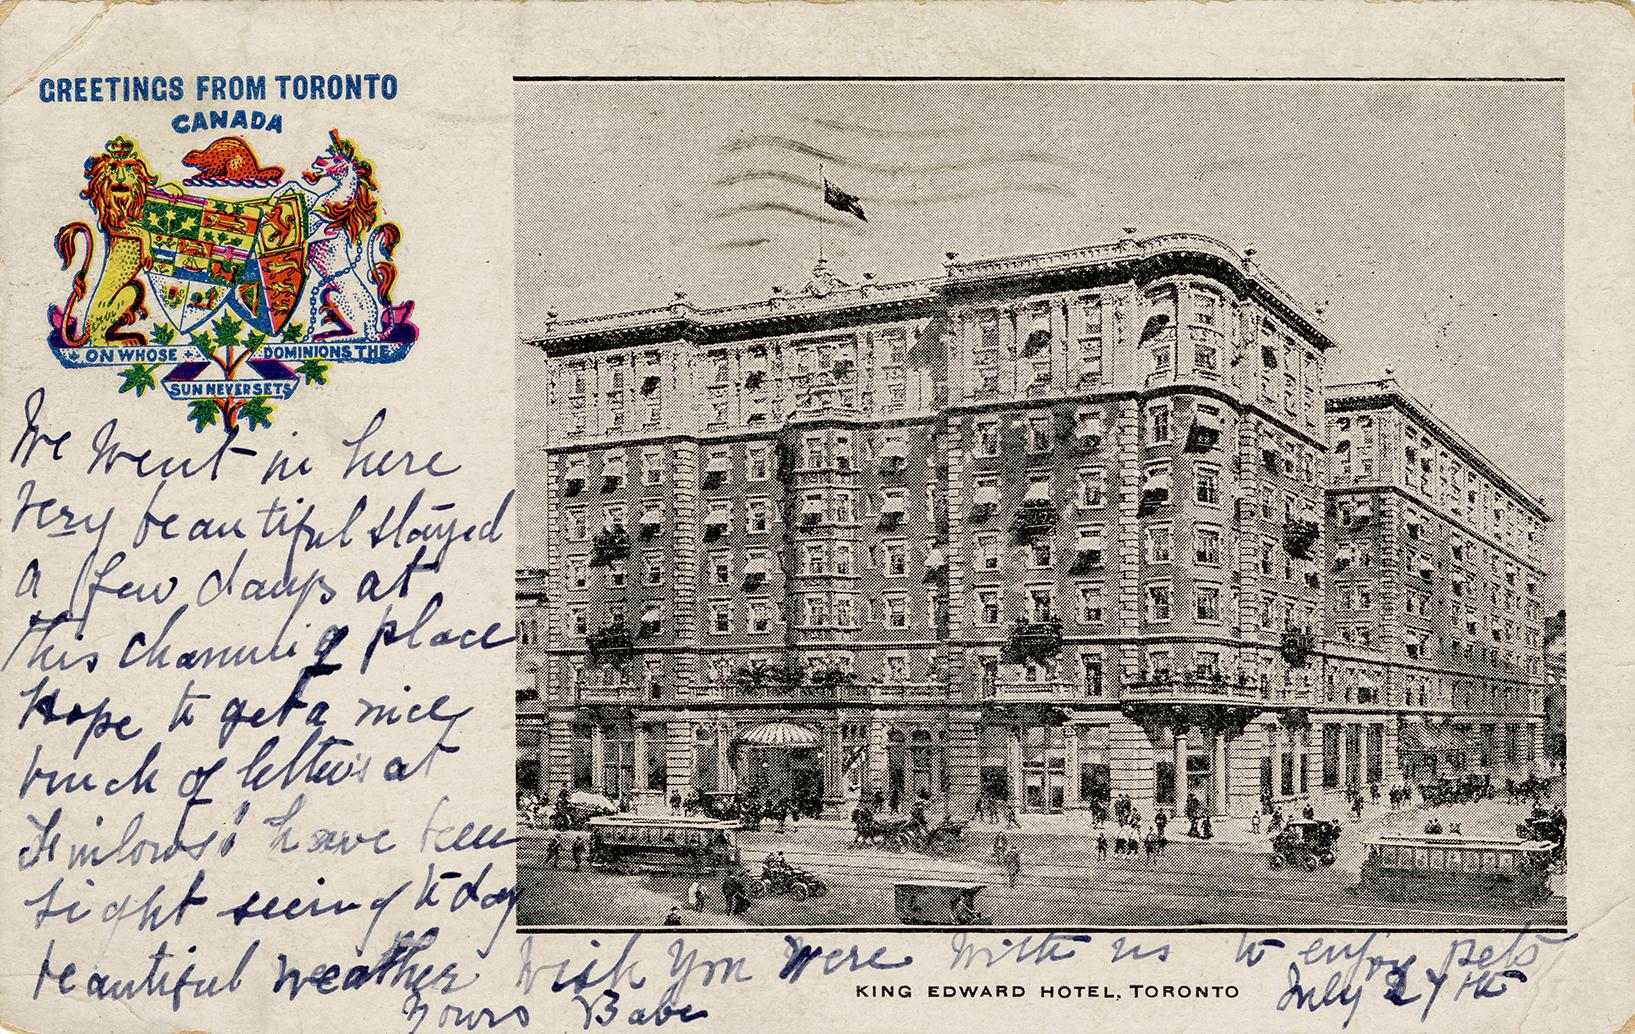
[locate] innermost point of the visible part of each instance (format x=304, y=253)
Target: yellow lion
x=117, y=187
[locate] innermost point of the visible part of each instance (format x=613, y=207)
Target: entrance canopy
x=779, y=736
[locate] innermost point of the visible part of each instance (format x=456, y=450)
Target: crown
x=121, y=147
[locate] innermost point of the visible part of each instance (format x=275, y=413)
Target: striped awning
x=779, y=735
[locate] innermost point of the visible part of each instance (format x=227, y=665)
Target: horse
x=349, y=256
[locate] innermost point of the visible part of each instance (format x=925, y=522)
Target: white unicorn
x=347, y=252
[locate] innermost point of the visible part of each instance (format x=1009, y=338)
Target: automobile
x=799, y=884
x=1306, y=844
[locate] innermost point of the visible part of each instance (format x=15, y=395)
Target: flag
x=836, y=198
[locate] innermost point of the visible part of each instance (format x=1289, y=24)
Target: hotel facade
x=1050, y=528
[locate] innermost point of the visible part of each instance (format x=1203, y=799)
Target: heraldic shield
x=209, y=252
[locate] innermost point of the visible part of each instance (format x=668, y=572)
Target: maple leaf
x=315, y=370
x=226, y=330
x=164, y=334
x=138, y=378
x=254, y=342
x=204, y=344
x=293, y=331
x=203, y=413
x=257, y=411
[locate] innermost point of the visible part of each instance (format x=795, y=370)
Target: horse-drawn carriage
x=909, y=833
x=1306, y=844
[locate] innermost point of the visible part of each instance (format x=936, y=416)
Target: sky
x=1426, y=218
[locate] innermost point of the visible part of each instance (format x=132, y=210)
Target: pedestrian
x=1010, y=816
x=1161, y=842
x=733, y=898
x=896, y=802
x=1159, y=821
x=578, y=852
x=553, y=850
x=1001, y=844
x=1357, y=806
x=1101, y=846
x=1309, y=812
x=673, y=917
x=675, y=802
x=1208, y=831
x=695, y=896
x=1013, y=865
x=879, y=802
x=1194, y=812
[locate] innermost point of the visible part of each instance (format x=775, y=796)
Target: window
x=1041, y=603
x=1090, y=605
x=758, y=516
x=760, y=616
x=577, y=621
x=1157, y=424
x=652, y=467
x=843, y=558
x=815, y=559
x=1207, y=602
x=720, y=364
x=894, y=558
x=1092, y=676
x=1268, y=557
x=987, y=608
x=987, y=552
x=1158, y=544
x=758, y=462
x=843, y=507
x=1039, y=437
x=1207, y=484
x=1158, y=602
x=575, y=572
x=1039, y=555
x=1204, y=356
x=720, y=616
x=817, y=611
x=987, y=438
x=1092, y=487
x=1090, y=346
x=1207, y=544
x=653, y=568
x=721, y=568
x=896, y=611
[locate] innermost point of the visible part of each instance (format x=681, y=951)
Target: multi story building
x=1047, y=528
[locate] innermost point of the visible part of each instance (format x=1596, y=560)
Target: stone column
x=1130, y=759
x=965, y=761
x=726, y=777
x=546, y=770
x=678, y=758
x=874, y=775
x=598, y=753
x=1345, y=754
x=1536, y=764
x=1218, y=771
x=1070, y=791
x=1390, y=774
x=1013, y=764
x=638, y=754
x=1243, y=760
x=1180, y=771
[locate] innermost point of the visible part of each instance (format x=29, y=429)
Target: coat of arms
x=255, y=294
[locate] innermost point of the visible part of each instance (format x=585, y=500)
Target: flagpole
x=823, y=226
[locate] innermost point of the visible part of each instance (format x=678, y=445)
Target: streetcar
x=1408, y=868
x=663, y=843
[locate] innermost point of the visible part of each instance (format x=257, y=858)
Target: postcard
x=802, y=517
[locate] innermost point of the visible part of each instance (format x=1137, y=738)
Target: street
x=1225, y=882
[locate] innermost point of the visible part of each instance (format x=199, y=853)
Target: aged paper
x=872, y=516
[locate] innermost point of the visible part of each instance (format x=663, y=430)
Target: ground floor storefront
x=1036, y=758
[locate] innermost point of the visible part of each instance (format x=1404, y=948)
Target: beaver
x=230, y=158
